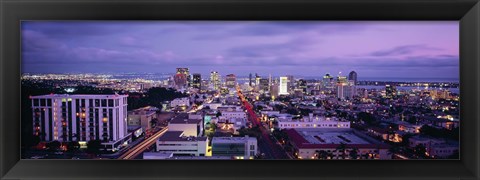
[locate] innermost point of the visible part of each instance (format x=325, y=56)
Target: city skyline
x=372, y=49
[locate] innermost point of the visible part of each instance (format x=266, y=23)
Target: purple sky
x=310, y=48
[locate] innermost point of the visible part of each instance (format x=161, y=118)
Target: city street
x=271, y=149
x=141, y=147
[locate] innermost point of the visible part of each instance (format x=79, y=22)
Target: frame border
x=13, y=11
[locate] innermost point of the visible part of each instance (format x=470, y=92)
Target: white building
x=180, y=102
x=227, y=115
x=286, y=122
x=327, y=144
x=82, y=118
x=237, y=147
x=189, y=127
x=283, y=86
x=177, y=143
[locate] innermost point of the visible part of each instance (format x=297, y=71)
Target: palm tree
x=322, y=154
x=354, y=153
x=342, y=148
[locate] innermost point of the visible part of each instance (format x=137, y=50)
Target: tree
x=420, y=150
x=73, y=146
x=342, y=148
x=354, y=153
x=322, y=154
x=54, y=145
x=94, y=146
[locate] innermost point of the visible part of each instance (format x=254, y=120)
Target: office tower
x=283, y=90
x=302, y=85
x=345, y=88
x=352, y=76
x=257, y=80
x=65, y=118
x=328, y=81
x=231, y=81
x=390, y=91
x=182, y=78
x=290, y=83
x=264, y=85
x=215, y=80
x=250, y=79
x=197, y=80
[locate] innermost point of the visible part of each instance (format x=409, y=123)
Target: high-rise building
x=182, y=77
x=390, y=91
x=345, y=88
x=197, y=80
x=257, y=80
x=352, y=76
x=290, y=83
x=215, y=80
x=328, y=82
x=283, y=89
x=231, y=81
x=250, y=80
x=68, y=118
x=264, y=85
x=302, y=85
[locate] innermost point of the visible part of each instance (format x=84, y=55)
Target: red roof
x=302, y=143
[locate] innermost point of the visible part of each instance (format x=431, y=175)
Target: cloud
x=403, y=50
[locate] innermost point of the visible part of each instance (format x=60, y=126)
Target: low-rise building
x=335, y=144
x=190, y=127
x=287, y=122
x=236, y=147
x=178, y=144
x=142, y=117
x=180, y=102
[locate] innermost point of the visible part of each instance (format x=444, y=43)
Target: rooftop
x=182, y=118
x=178, y=136
x=232, y=139
x=331, y=138
x=100, y=96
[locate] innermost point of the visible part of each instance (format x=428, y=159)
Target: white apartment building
x=283, y=87
x=237, y=147
x=286, y=122
x=82, y=118
x=180, y=145
x=189, y=127
x=180, y=102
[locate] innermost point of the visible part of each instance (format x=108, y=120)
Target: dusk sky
x=309, y=48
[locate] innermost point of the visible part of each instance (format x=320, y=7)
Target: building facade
x=237, y=147
x=81, y=118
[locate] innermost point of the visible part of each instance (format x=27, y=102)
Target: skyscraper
x=283, y=86
x=250, y=79
x=352, y=76
x=327, y=82
x=182, y=77
x=345, y=88
x=231, y=81
x=290, y=83
x=215, y=80
x=390, y=91
x=197, y=80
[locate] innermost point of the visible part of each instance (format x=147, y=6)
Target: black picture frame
x=13, y=11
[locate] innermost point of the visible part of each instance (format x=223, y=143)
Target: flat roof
x=182, y=118
x=79, y=96
x=177, y=136
x=331, y=138
x=232, y=139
